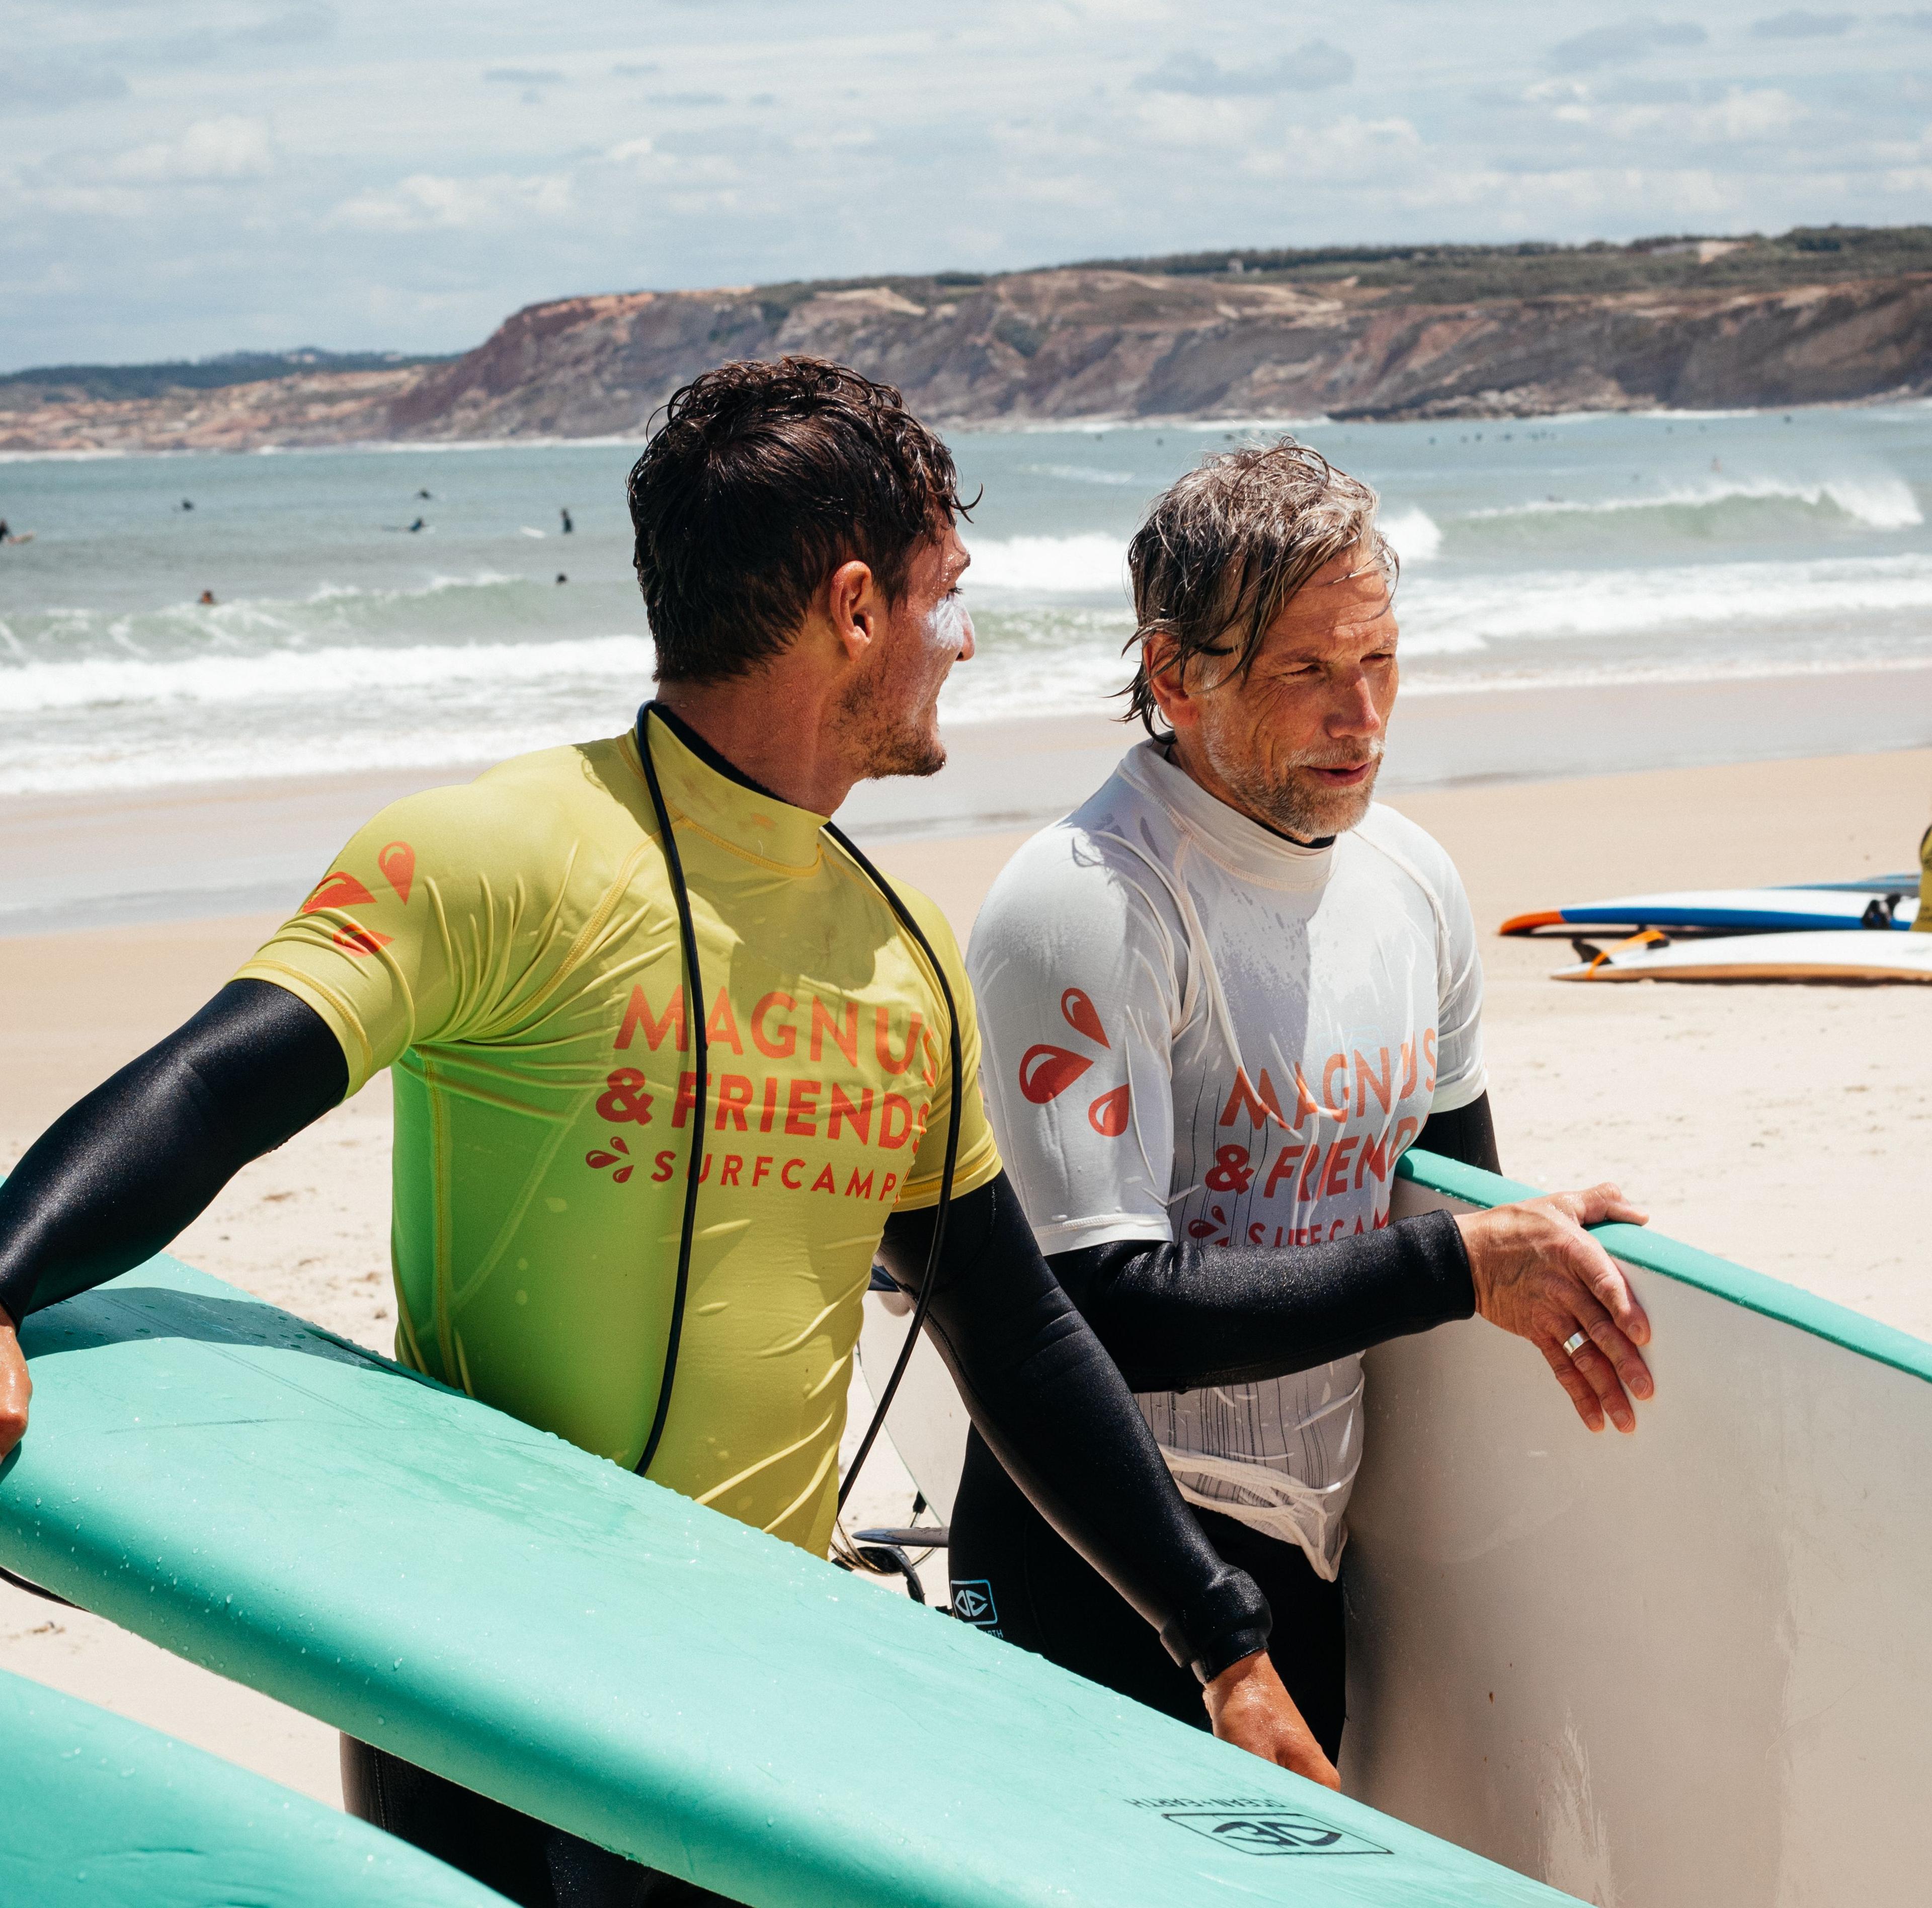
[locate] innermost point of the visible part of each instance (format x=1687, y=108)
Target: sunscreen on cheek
x=946, y=627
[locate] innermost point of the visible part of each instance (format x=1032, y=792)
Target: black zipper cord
x=923, y=1304
x=694, y=1010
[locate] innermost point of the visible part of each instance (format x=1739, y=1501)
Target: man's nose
x=1355, y=711
x=966, y=646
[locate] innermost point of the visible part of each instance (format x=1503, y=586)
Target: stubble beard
x=882, y=742
x=886, y=739
x=1297, y=804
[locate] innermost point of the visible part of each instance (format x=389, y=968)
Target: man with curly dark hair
x=671, y=1063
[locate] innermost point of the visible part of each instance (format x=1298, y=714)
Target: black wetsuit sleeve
x=1049, y=1402
x=118, y=1175
x=1175, y=1316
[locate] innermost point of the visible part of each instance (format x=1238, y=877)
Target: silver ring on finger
x=1576, y=1342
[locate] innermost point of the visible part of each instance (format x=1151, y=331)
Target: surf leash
x=694, y=997
x=694, y=1162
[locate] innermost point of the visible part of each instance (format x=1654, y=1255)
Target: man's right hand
x=15, y=1387
x=1538, y=1273
x=1250, y=1707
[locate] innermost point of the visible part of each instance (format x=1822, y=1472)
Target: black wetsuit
x=1176, y=1316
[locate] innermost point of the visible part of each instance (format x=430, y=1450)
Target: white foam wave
x=1881, y=503
x=1082, y=473
x=1416, y=535
x=1091, y=563
x=331, y=672
x=1443, y=617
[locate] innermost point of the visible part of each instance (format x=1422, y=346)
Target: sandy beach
x=1773, y=1125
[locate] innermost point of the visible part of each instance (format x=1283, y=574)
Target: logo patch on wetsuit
x=1279, y=1832
x=972, y=1602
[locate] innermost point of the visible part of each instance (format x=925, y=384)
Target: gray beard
x=1297, y=806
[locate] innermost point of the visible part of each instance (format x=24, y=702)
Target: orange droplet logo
x=1046, y=1072
x=1083, y=1016
x=398, y=864
x=337, y=890
x=1108, y=1115
x=359, y=940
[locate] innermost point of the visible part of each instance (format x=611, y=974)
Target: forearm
x=122, y=1172
x=1056, y=1413
x=1174, y=1316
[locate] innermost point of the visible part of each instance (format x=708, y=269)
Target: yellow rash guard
x=511, y=949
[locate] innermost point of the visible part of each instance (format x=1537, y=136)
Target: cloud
x=525, y=76
x=687, y=99
x=52, y=86
x=636, y=69
x=1312, y=66
x=210, y=151
x=1799, y=24
x=289, y=26
x=430, y=201
x=1627, y=39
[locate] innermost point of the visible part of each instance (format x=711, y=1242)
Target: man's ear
x=853, y=607
x=1167, y=682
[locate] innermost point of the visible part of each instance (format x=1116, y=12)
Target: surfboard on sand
x=1739, y=910
x=1843, y=954
x=1689, y=1669
x=539, y=1625
x=101, y=1813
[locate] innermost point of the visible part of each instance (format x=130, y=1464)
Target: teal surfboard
x=100, y=1813
x=408, y=1565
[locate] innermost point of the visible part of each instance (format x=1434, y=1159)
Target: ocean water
x=1583, y=550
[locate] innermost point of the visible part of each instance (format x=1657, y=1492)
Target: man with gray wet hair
x=1220, y=1000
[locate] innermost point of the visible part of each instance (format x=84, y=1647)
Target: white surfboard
x=1739, y=911
x=1831, y=954
x=928, y=1423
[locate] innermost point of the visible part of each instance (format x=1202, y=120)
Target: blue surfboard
x=1737, y=910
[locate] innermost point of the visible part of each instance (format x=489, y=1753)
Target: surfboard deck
x=433, y=1576
x=102, y=1813
x=1736, y=910
x=1844, y=954
x=1691, y=1668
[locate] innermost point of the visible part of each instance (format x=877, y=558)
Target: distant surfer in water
x=207, y=598
x=567, y=525
x=559, y=1102
x=1220, y=1000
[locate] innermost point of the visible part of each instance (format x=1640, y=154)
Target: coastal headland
x=1826, y=315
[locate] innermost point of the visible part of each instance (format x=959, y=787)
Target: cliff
x=1373, y=333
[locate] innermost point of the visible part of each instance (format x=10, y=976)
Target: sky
x=221, y=175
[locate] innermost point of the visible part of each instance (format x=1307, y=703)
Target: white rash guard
x=1194, y=1029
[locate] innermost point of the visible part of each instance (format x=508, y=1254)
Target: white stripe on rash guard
x=1194, y=1029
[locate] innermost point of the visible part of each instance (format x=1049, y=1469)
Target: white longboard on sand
x=1889, y=902
x=1830, y=954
